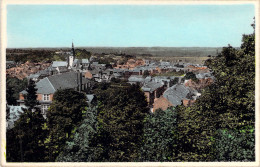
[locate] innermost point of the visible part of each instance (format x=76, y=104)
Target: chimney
x=77, y=81
x=80, y=81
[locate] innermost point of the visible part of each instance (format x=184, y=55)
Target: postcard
x=130, y=83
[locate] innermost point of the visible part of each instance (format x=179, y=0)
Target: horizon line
x=120, y=47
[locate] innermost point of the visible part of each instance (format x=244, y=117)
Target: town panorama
x=136, y=84
x=75, y=105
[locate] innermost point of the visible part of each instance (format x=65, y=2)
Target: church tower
x=71, y=57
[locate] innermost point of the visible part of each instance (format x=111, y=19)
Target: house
x=42, y=74
x=152, y=90
x=14, y=115
x=81, y=63
x=165, y=63
x=88, y=74
x=168, y=81
x=35, y=77
x=204, y=75
x=136, y=79
x=204, y=80
x=202, y=83
x=10, y=64
x=90, y=98
x=97, y=66
x=131, y=64
x=174, y=96
x=62, y=69
x=95, y=74
x=56, y=64
x=47, y=86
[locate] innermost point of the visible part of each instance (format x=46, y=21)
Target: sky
x=128, y=25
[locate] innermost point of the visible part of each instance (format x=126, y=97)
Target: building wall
x=147, y=94
x=200, y=85
x=88, y=75
x=39, y=97
x=162, y=103
x=187, y=102
x=21, y=96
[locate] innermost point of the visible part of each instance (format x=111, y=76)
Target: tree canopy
x=160, y=136
x=79, y=149
x=121, y=112
x=63, y=117
x=227, y=105
x=23, y=140
x=31, y=96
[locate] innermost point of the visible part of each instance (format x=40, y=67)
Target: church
x=72, y=64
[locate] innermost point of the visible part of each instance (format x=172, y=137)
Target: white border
x=121, y=2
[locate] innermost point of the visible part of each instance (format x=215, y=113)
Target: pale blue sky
x=128, y=25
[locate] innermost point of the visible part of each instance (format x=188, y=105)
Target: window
x=46, y=97
x=44, y=109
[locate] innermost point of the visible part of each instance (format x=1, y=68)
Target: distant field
x=140, y=51
x=173, y=54
x=158, y=51
x=194, y=60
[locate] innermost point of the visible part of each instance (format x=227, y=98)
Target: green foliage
x=24, y=138
x=196, y=126
x=64, y=115
x=228, y=104
x=79, y=149
x=10, y=96
x=82, y=54
x=120, y=116
x=160, y=136
x=190, y=75
x=146, y=73
x=13, y=87
x=235, y=145
x=175, y=81
x=23, y=55
x=31, y=96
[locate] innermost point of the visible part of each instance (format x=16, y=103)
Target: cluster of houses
x=21, y=71
x=81, y=74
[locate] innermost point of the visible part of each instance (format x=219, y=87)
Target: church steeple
x=71, y=56
x=72, y=49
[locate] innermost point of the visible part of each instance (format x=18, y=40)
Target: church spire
x=72, y=49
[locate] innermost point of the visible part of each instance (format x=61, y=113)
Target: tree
x=24, y=138
x=196, y=128
x=63, y=117
x=82, y=54
x=79, y=149
x=13, y=87
x=160, y=136
x=235, y=145
x=146, y=73
x=121, y=112
x=191, y=75
x=31, y=96
x=10, y=96
x=228, y=105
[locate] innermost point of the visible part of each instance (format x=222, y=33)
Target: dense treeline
x=220, y=126
x=31, y=56
x=41, y=55
x=13, y=87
